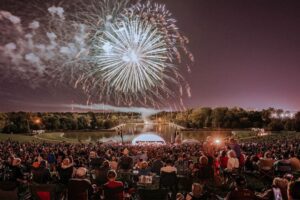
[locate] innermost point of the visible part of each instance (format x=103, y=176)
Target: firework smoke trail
x=115, y=51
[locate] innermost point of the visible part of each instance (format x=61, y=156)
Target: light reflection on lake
x=131, y=130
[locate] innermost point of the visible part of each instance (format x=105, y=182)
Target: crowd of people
x=208, y=170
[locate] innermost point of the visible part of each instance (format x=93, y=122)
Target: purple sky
x=247, y=53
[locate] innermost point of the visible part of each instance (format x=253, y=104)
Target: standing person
x=51, y=158
x=101, y=173
x=208, y=147
x=125, y=162
x=94, y=160
x=113, y=163
x=157, y=164
x=233, y=145
x=41, y=175
x=65, y=171
x=182, y=165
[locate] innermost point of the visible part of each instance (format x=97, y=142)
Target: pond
x=131, y=131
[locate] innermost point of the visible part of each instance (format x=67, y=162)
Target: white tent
x=148, y=138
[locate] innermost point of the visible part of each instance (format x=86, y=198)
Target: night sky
x=247, y=53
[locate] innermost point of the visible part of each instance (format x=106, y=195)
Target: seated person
x=144, y=170
x=278, y=190
x=223, y=160
x=113, y=189
x=233, y=162
x=295, y=162
x=283, y=166
x=294, y=190
x=169, y=168
x=197, y=193
x=80, y=188
x=266, y=163
x=205, y=171
x=168, y=178
x=240, y=191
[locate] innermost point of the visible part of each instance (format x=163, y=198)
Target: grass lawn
x=53, y=136
x=18, y=137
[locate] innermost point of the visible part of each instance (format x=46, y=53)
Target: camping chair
x=265, y=168
x=43, y=191
x=9, y=194
x=112, y=193
x=159, y=194
x=169, y=182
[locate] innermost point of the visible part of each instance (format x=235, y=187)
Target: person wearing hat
x=80, y=188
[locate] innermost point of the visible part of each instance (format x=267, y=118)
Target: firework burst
x=131, y=56
x=119, y=52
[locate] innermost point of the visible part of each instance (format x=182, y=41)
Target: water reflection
x=131, y=130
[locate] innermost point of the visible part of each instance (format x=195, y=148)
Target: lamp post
x=28, y=127
x=120, y=133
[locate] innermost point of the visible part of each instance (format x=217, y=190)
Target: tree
x=276, y=125
x=218, y=115
x=297, y=121
x=3, y=121
x=93, y=120
x=289, y=125
x=82, y=122
x=51, y=122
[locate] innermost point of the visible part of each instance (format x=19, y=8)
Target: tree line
x=233, y=118
x=24, y=122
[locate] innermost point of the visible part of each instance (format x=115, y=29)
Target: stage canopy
x=148, y=138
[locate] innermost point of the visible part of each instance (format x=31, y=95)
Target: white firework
x=131, y=56
x=121, y=52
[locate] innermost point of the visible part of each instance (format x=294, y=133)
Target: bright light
x=217, y=141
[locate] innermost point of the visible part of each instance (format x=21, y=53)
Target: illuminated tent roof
x=148, y=138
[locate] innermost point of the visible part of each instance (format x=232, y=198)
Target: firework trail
x=121, y=52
